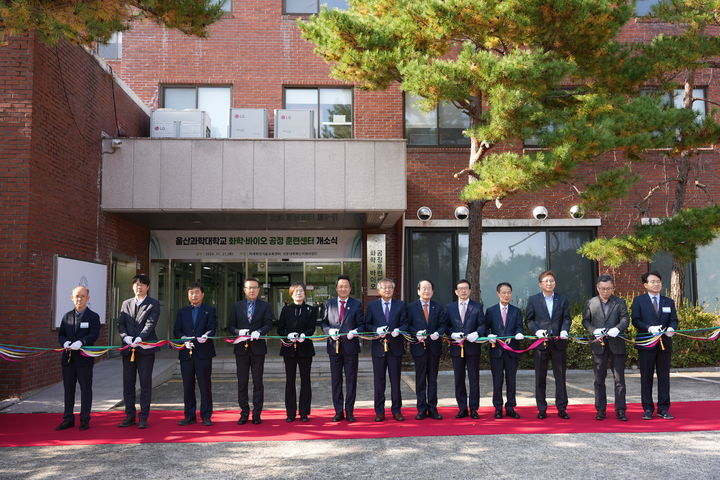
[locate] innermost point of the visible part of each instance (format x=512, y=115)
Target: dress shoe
x=474, y=415
x=510, y=412
x=420, y=416
x=398, y=417
x=142, y=423
x=620, y=414
x=498, y=413
x=65, y=425
x=435, y=415
x=243, y=419
x=350, y=418
x=256, y=421
x=379, y=418
x=647, y=415
x=600, y=415
x=563, y=414
x=84, y=424
x=338, y=417
x=461, y=414
x=187, y=421
x=127, y=422
x=290, y=419
x=304, y=418
x=666, y=416
x=207, y=422
x=542, y=415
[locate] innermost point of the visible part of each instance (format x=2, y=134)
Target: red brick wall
x=51, y=160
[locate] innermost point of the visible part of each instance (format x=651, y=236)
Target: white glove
x=333, y=332
x=76, y=345
x=128, y=339
x=395, y=332
x=519, y=336
x=421, y=334
x=302, y=338
x=670, y=331
x=598, y=332
x=541, y=333
x=492, y=337
x=137, y=341
x=243, y=332
x=292, y=336
x=434, y=336
x=563, y=335
x=472, y=337
x=66, y=344
x=255, y=335
x=351, y=334
x=654, y=329
x=613, y=332
x=189, y=345
x=203, y=339
x=457, y=336
x=382, y=331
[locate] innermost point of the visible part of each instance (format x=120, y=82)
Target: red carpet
x=23, y=430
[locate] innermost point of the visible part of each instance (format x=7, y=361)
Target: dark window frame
x=318, y=126
x=318, y=4
x=431, y=145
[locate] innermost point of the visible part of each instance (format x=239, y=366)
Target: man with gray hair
x=605, y=316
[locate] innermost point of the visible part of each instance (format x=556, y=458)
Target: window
x=698, y=106
x=214, y=100
x=334, y=104
x=112, y=49
x=643, y=7
x=442, y=126
x=308, y=7
x=226, y=4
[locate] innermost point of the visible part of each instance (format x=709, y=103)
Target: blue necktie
x=250, y=310
x=387, y=313
x=195, y=313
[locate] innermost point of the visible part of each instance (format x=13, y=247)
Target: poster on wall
x=375, y=260
x=69, y=273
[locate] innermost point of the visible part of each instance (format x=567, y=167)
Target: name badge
x=666, y=309
x=84, y=324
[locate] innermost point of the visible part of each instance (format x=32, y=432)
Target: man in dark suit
x=250, y=319
x=504, y=320
x=548, y=316
x=194, y=324
x=606, y=316
x=426, y=320
x=654, y=314
x=138, y=318
x=466, y=322
x=342, y=320
x=387, y=317
x=79, y=327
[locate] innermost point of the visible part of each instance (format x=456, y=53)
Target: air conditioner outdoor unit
x=171, y=123
x=248, y=123
x=294, y=124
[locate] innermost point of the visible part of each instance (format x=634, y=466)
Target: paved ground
x=671, y=455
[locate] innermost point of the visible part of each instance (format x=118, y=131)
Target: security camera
x=540, y=213
x=462, y=212
x=576, y=211
x=424, y=213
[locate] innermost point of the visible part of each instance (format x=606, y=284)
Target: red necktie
x=342, y=310
x=504, y=315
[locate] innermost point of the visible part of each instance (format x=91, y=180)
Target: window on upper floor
x=226, y=4
x=443, y=125
x=335, y=107
x=112, y=49
x=643, y=7
x=215, y=101
x=308, y=7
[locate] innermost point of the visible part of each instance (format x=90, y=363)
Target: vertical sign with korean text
x=375, y=260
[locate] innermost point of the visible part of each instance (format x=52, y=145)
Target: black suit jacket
x=261, y=321
x=141, y=325
x=644, y=316
x=352, y=320
x=513, y=326
x=537, y=318
x=206, y=323
x=86, y=330
x=437, y=322
x=616, y=316
x=375, y=318
x=299, y=319
x=474, y=322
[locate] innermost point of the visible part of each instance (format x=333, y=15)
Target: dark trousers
x=392, y=365
x=655, y=360
x=504, y=368
x=338, y=365
x=470, y=363
x=426, y=372
x=601, y=361
x=200, y=369
x=141, y=369
x=292, y=365
x=72, y=375
x=559, y=365
x=247, y=365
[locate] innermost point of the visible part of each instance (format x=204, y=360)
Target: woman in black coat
x=297, y=321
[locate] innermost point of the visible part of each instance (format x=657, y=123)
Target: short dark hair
x=605, y=278
x=644, y=276
x=429, y=281
x=343, y=277
x=195, y=285
x=142, y=278
x=546, y=273
x=503, y=284
x=463, y=280
x=294, y=286
x=252, y=279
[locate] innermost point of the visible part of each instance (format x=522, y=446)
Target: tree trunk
x=677, y=282
x=474, y=258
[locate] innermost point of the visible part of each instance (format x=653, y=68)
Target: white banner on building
x=242, y=244
x=376, y=260
x=70, y=273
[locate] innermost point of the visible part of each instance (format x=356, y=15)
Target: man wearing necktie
x=654, y=314
x=466, y=322
x=387, y=317
x=250, y=319
x=343, y=319
x=194, y=324
x=427, y=322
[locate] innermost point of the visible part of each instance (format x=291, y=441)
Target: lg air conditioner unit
x=294, y=124
x=248, y=123
x=170, y=123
